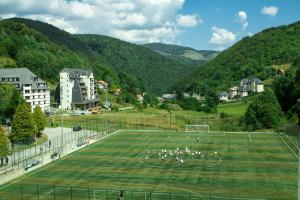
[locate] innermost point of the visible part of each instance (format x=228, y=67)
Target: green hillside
x=154, y=70
x=181, y=51
x=252, y=56
x=45, y=50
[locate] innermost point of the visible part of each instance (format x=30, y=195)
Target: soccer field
x=255, y=166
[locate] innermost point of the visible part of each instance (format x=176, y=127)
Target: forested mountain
x=45, y=50
x=148, y=67
x=181, y=51
x=252, y=56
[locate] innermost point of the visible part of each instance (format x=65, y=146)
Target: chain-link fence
x=49, y=192
x=24, y=155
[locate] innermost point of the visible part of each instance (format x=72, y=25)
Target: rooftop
x=25, y=77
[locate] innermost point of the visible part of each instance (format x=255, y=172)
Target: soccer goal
x=196, y=128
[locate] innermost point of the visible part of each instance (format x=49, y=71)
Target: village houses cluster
x=77, y=88
x=247, y=86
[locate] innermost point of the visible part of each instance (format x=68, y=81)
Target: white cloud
x=221, y=36
x=139, y=21
x=242, y=18
x=270, y=10
x=188, y=20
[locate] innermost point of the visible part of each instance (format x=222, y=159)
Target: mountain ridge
x=183, y=51
x=46, y=49
x=250, y=57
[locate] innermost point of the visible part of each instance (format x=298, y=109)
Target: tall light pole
x=62, y=131
x=298, y=111
x=35, y=137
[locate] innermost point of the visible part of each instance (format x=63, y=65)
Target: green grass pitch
x=257, y=166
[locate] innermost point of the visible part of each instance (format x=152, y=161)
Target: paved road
x=54, y=132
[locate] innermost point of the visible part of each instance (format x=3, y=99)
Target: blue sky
x=222, y=13
x=201, y=24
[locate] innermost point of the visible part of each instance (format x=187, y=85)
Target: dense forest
x=45, y=50
x=252, y=56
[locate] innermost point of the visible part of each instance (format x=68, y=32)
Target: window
x=45, y=102
x=27, y=97
x=27, y=91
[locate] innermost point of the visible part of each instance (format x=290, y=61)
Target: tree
x=39, y=120
x=287, y=89
x=264, y=112
x=10, y=98
x=23, y=124
x=4, y=144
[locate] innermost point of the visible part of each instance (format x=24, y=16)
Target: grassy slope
x=261, y=169
x=237, y=109
x=7, y=62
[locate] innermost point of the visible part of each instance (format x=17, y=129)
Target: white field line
x=224, y=132
x=288, y=147
x=46, y=194
x=52, y=163
x=250, y=137
x=143, y=130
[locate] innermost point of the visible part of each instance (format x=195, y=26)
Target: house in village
x=233, y=92
x=102, y=85
x=247, y=86
x=223, y=96
x=166, y=97
x=34, y=90
x=252, y=85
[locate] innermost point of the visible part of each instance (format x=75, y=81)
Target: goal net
x=196, y=128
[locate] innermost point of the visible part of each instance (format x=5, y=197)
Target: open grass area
x=257, y=166
x=237, y=109
x=7, y=62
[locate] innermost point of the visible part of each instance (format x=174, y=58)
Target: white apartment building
x=33, y=89
x=77, y=89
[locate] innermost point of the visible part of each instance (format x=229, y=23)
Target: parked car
x=77, y=128
x=50, y=112
x=32, y=164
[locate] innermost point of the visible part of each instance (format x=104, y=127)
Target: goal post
x=196, y=128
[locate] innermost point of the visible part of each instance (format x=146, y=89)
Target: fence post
x=54, y=192
x=89, y=196
x=71, y=193
x=106, y=194
x=22, y=191
x=37, y=191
